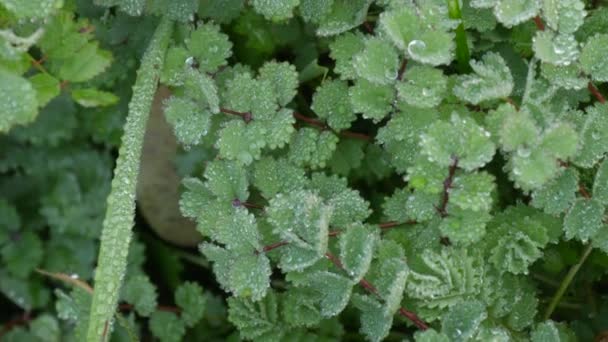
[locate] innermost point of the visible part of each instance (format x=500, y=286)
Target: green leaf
x=560, y=141
x=550, y=331
x=600, y=184
x=221, y=11
x=394, y=208
x=272, y=176
x=593, y=58
x=473, y=191
x=334, y=291
x=430, y=335
x=461, y=138
x=275, y=10
x=284, y=79
x=88, y=63
x=331, y=102
x=256, y=320
x=564, y=15
x=302, y=219
x=240, y=142
x=189, y=297
x=46, y=328
x=558, y=194
x=375, y=324
x=348, y=206
x=46, y=86
x=246, y=94
x=299, y=307
x=356, y=249
x=513, y=12
x=492, y=80
x=532, y=167
x=584, y=219
x=91, y=97
x=315, y=10
x=31, y=9
x=423, y=86
x=432, y=47
x=557, y=49
x=566, y=76
x=464, y=226
x=421, y=206
x=139, y=291
x=190, y=123
x=343, y=49
x=518, y=131
x=374, y=101
x=344, y=15
x=401, y=25
x=308, y=147
x=199, y=85
x=209, y=47
x=392, y=277
x=227, y=180
x=23, y=255
x=176, y=62
x=594, y=136
x=348, y=157
x=166, y=326
x=462, y=321
x=17, y=101
x=378, y=62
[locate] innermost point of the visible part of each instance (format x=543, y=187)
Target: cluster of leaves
x=491, y=171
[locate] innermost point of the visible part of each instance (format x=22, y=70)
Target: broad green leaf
x=299, y=307
x=432, y=47
x=518, y=131
x=378, y=62
x=464, y=227
x=240, y=142
x=246, y=94
x=46, y=328
x=181, y=11
x=550, y=331
x=480, y=19
x=334, y=291
x=343, y=49
x=256, y=320
x=177, y=60
x=32, y=10
x=209, y=47
x=284, y=79
x=421, y=206
x=401, y=25
x=344, y=15
x=593, y=136
x=221, y=11
x=558, y=194
x=309, y=147
x=593, y=58
x=560, y=141
x=348, y=207
x=356, y=249
x=17, y=101
x=331, y=102
x=91, y=97
x=47, y=87
x=430, y=335
x=391, y=281
x=565, y=16
x=272, y=176
x=513, y=12
x=394, y=208
x=23, y=255
x=565, y=76
x=139, y=291
x=492, y=80
x=462, y=321
x=584, y=219
x=375, y=324
x=473, y=191
x=275, y=10
x=532, y=167
x=348, y=157
x=198, y=85
x=600, y=184
x=88, y=63
x=460, y=138
x=423, y=86
x=374, y=101
x=166, y=326
x=227, y=180
x=315, y=10
x=557, y=49
x=425, y=177
x=189, y=297
x=190, y=122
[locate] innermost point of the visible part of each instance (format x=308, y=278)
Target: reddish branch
x=24, y=319
x=247, y=117
x=372, y=289
x=583, y=191
x=447, y=185
x=540, y=25
x=402, y=69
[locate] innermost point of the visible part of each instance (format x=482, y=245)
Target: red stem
x=402, y=69
x=540, y=25
x=447, y=185
x=25, y=318
x=583, y=191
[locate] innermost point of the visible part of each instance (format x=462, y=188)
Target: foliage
x=351, y=169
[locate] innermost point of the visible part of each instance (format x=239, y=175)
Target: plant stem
x=566, y=281
x=116, y=234
x=462, y=47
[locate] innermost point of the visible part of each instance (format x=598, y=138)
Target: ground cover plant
x=303, y=170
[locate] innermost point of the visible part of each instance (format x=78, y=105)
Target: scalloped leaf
x=492, y=80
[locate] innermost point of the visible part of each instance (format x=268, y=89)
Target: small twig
x=447, y=185
x=583, y=191
x=596, y=92
x=246, y=116
x=402, y=69
x=540, y=25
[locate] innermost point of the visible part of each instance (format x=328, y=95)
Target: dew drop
x=415, y=45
